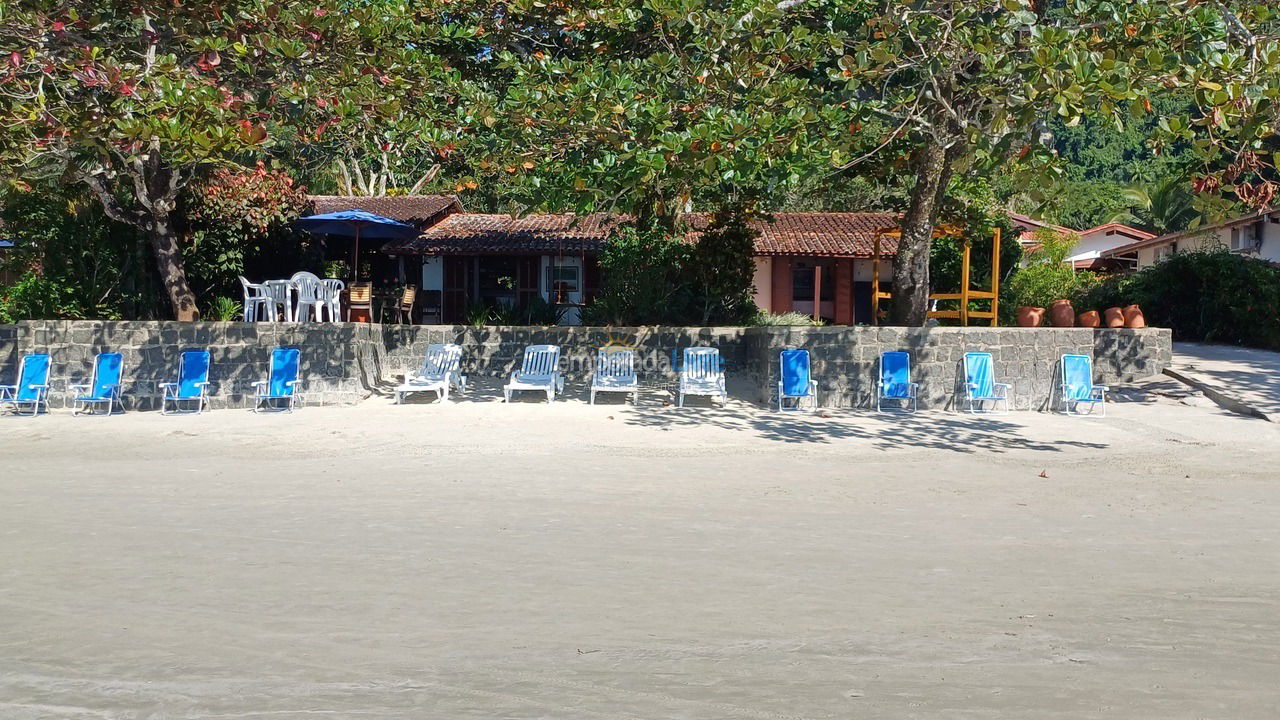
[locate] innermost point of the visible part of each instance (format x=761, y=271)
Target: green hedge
x=1214, y=296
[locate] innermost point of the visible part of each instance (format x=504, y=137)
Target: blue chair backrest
x=284, y=369
x=34, y=370
x=106, y=374
x=193, y=371
x=979, y=374
x=895, y=374
x=795, y=372
x=1077, y=377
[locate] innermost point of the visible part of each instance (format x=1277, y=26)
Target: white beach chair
x=615, y=372
x=540, y=371
x=441, y=369
x=701, y=373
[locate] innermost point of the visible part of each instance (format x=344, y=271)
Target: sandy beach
x=481, y=560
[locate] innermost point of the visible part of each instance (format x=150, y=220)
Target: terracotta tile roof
x=822, y=234
x=420, y=210
x=1120, y=228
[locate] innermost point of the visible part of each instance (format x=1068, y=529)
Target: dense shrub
x=1215, y=296
x=657, y=277
x=70, y=261
x=1047, y=277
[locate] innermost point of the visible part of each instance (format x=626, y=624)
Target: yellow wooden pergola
x=963, y=314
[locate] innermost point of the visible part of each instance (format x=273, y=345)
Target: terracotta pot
x=1089, y=319
x=1030, y=316
x=1133, y=317
x=1113, y=318
x=1062, y=314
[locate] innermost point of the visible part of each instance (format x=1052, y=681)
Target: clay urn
x=1030, y=316
x=1113, y=318
x=1133, y=317
x=1062, y=314
x=1089, y=319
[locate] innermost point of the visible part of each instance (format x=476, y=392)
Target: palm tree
x=1162, y=207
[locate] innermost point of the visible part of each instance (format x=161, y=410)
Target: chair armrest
x=1103, y=388
x=260, y=383
x=84, y=386
x=168, y=385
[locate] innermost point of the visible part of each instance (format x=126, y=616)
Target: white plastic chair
x=310, y=302
x=331, y=294
x=280, y=293
x=441, y=369
x=615, y=372
x=702, y=373
x=257, y=302
x=540, y=371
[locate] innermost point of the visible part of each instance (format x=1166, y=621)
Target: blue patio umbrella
x=356, y=224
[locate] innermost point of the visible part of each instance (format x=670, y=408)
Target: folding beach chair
x=1078, y=387
x=980, y=384
x=895, y=380
x=441, y=369
x=32, y=387
x=796, y=383
x=103, y=387
x=280, y=388
x=191, y=388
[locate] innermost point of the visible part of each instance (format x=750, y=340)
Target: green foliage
x=225, y=309
x=1164, y=206
x=240, y=226
x=655, y=277
x=763, y=319
x=84, y=265
x=1047, y=277
x=643, y=274
x=1215, y=296
x=721, y=270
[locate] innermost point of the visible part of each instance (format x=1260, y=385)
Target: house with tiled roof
x=813, y=263
x=1254, y=235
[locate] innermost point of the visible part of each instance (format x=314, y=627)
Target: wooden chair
x=360, y=297
x=404, y=308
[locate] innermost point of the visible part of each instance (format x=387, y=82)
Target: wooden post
x=964, y=287
x=995, y=277
x=875, y=283
x=817, y=292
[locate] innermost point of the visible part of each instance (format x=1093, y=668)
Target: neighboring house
x=1087, y=254
x=803, y=261
x=421, y=211
x=1256, y=235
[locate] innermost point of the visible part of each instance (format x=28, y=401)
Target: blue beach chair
x=1078, y=387
x=895, y=380
x=281, y=387
x=796, y=382
x=103, y=387
x=192, y=385
x=980, y=384
x=32, y=388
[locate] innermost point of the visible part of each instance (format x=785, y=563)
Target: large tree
x=968, y=84
x=135, y=98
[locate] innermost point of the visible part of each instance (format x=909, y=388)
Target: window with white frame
x=1244, y=238
x=563, y=282
x=1164, y=252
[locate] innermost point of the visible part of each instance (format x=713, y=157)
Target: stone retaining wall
x=343, y=363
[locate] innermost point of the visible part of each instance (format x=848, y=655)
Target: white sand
x=489, y=561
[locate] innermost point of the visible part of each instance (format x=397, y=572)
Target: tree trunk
x=932, y=165
x=164, y=245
